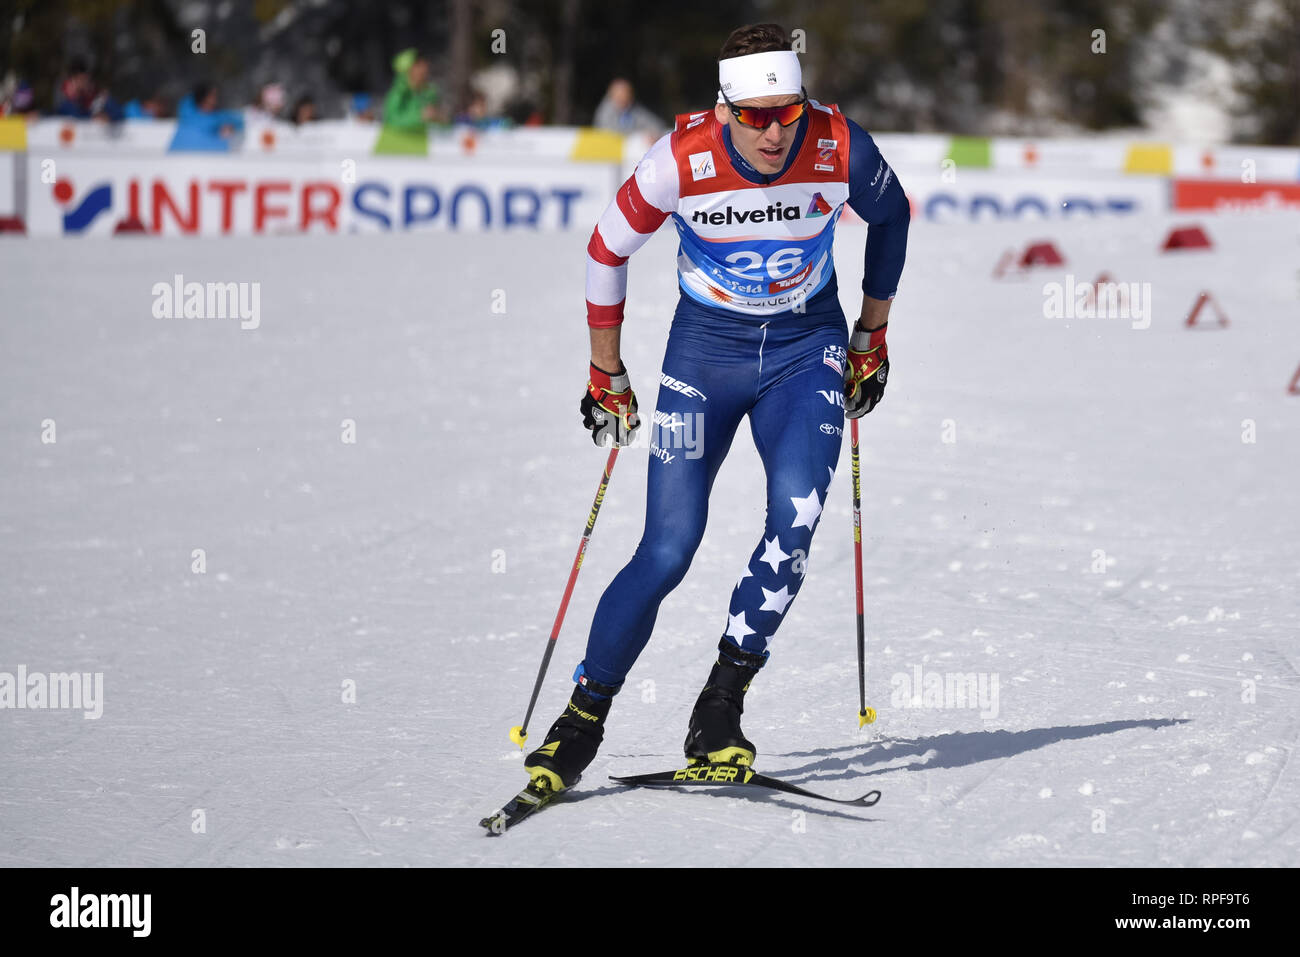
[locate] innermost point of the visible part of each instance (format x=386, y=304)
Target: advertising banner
x=996, y=196
x=1227, y=196
x=213, y=196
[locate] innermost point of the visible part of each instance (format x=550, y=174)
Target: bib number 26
x=779, y=265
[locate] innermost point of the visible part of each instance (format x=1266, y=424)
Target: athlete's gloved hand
x=606, y=393
x=866, y=371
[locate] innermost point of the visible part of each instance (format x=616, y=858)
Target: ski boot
x=714, y=735
x=573, y=740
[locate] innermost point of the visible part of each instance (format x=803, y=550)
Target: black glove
x=609, y=407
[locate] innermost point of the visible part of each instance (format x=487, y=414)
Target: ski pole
x=865, y=715
x=519, y=733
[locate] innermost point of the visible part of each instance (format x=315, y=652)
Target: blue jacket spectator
x=149, y=108
x=200, y=126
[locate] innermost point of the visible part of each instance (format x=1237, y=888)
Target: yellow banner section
x=593, y=145
x=13, y=133
x=1150, y=158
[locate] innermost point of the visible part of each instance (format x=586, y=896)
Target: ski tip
x=869, y=799
x=866, y=716
x=518, y=735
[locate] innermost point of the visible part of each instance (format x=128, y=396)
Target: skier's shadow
x=953, y=750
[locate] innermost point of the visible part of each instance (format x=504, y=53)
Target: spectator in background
x=270, y=101
x=76, y=96
x=476, y=114
x=410, y=106
x=304, y=110
x=150, y=108
x=79, y=98
x=19, y=99
x=201, y=126
x=360, y=106
x=524, y=112
x=620, y=112
x=412, y=101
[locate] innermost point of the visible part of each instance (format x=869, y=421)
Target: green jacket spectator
x=409, y=107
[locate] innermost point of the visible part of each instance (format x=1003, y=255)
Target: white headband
x=773, y=73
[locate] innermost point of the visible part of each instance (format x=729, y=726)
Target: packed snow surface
x=316, y=562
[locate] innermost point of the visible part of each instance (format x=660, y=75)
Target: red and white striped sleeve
x=637, y=210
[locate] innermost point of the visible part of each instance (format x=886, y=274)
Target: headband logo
x=771, y=79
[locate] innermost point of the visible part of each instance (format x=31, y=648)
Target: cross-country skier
x=754, y=188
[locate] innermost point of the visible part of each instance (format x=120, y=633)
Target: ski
x=522, y=805
x=732, y=775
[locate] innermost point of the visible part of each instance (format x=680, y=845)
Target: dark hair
x=754, y=38
x=201, y=91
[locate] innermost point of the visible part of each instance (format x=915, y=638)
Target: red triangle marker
x=1187, y=237
x=1007, y=262
x=1201, y=302
x=1042, y=254
x=1121, y=295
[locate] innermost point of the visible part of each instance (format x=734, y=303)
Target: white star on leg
x=773, y=554
x=806, y=510
x=776, y=600
x=736, y=627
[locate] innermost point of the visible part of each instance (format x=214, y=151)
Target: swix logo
x=669, y=420
x=77, y=218
x=769, y=214
x=678, y=386
x=832, y=396
x=818, y=206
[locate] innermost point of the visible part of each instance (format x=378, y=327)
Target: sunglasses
x=761, y=117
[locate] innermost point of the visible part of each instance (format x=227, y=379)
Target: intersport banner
x=962, y=195
x=217, y=195
x=221, y=195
